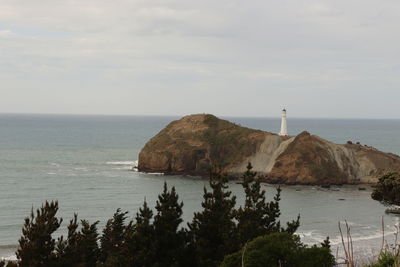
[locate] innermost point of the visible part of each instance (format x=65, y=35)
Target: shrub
x=386, y=259
x=387, y=189
x=279, y=249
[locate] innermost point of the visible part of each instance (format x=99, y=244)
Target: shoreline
x=7, y=253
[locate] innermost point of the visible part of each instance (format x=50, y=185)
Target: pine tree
x=251, y=218
x=112, y=240
x=213, y=229
x=36, y=245
x=259, y=217
x=87, y=246
x=67, y=250
x=140, y=239
x=169, y=240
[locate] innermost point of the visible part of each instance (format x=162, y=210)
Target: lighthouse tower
x=283, y=131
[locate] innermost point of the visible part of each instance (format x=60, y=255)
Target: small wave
x=9, y=258
x=131, y=163
x=7, y=252
x=378, y=234
x=310, y=237
x=124, y=165
x=306, y=233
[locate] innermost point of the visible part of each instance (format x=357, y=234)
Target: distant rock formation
x=193, y=144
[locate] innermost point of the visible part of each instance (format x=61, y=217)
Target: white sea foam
x=123, y=168
x=314, y=236
x=124, y=165
x=376, y=235
x=130, y=163
x=9, y=258
x=311, y=237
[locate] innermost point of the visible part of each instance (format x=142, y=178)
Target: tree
x=387, y=189
x=36, y=245
x=112, y=240
x=213, y=229
x=139, y=246
x=169, y=240
x=67, y=250
x=279, y=249
x=80, y=248
x=259, y=217
x=88, y=246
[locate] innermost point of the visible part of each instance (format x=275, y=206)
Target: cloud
x=91, y=51
x=6, y=34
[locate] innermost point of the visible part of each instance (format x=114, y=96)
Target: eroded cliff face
x=196, y=142
x=309, y=159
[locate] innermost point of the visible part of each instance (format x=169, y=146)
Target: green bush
x=280, y=250
x=386, y=259
x=387, y=189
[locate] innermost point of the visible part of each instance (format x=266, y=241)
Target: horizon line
x=180, y=115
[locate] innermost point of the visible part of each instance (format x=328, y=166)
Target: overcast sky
x=234, y=58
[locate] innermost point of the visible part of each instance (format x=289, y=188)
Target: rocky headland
x=191, y=145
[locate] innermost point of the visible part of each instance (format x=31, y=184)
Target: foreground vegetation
x=387, y=189
x=219, y=235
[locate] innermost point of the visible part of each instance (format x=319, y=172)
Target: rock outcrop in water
x=193, y=144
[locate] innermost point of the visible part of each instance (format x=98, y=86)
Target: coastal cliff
x=193, y=144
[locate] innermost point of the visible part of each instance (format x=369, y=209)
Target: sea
x=87, y=163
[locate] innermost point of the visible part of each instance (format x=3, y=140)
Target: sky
x=316, y=58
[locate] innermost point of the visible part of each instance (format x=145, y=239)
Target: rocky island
x=191, y=145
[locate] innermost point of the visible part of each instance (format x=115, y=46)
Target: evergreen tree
x=80, y=248
x=140, y=239
x=36, y=245
x=259, y=217
x=88, y=246
x=213, y=229
x=169, y=240
x=254, y=218
x=67, y=250
x=112, y=240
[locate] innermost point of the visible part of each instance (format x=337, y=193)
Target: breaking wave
x=124, y=165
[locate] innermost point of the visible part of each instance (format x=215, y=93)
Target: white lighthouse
x=283, y=131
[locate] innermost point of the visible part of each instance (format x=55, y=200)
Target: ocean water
x=85, y=162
